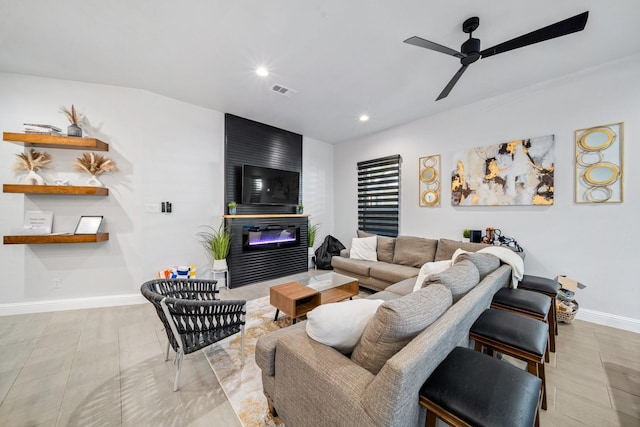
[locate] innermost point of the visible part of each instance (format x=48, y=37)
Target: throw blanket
x=508, y=257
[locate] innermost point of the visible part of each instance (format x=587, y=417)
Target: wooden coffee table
x=296, y=299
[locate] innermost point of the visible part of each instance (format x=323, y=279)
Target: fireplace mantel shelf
x=267, y=216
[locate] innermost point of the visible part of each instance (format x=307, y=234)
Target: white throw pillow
x=340, y=324
x=456, y=253
x=430, y=268
x=364, y=248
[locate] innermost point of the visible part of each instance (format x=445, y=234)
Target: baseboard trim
x=70, y=304
x=606, y=319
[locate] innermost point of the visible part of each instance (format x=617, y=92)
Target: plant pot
x=33, y=178
x=95, y=182
x=219, y=264
x=232, y=211
x=74, y=130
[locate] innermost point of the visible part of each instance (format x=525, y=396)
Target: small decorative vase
x=232, y=211
x=300, y=210
x=219, y=264
x=33, y=178
x=74, y=130
x=95, y=182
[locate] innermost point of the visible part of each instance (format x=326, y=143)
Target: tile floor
x=105, y=367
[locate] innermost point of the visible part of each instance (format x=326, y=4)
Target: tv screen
x=269, y=186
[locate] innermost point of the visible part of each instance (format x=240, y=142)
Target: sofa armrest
x=316, y=382
x=346, y=253
x=266, y=348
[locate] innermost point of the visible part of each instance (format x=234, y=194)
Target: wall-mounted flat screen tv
x=269, y=186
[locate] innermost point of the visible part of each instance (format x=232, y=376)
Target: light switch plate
x=152, y=207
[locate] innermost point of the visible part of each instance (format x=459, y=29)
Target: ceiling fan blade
x=452, y=83
x=420, y=42
x=562, y=28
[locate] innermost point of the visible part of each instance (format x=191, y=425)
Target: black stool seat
x=539, y=284
x=483, y=391
x=513, y=330
x=521, y=299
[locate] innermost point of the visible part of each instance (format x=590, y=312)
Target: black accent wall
x=257, y=144
x=253, y=143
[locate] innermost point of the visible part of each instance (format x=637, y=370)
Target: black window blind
x=379, y=195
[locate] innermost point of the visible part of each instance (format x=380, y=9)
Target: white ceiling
x=344, y=57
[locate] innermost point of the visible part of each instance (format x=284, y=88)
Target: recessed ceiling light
x=364, y=118
x=262, y=71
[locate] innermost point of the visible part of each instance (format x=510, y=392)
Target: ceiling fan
x=470, y=50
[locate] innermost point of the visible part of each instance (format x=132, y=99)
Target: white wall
x=592, y=243
x=166, y=150
x=317, y=185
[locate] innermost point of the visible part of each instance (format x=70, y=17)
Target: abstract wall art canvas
x=512, y=173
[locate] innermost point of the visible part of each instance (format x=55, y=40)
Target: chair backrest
x=192, y=315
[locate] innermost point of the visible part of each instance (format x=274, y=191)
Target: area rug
x=243, y=386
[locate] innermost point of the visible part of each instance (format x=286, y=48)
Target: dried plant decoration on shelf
x=94, y=164
x=32, y=161
x=76, y=119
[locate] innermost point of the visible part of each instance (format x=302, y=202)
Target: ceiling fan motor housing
x=471, y=48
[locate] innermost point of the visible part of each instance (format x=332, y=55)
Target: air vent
x=283, y=90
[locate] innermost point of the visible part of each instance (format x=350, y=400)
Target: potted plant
x=300, y=209
x=216, y=243
x=232, y=207
x=76, y=119
x=466, y=233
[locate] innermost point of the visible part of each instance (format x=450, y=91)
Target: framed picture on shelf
x=88, y=225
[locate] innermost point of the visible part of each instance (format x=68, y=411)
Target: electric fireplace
x=260, y=238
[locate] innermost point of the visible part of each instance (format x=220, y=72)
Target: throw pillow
x=396, y=323
x=385, y=246
x=430, y=268
x=447, y=247
x=364, y=248
x=456, y=254
x=460, y=278
x=414, y=251
x=340, y=324
x=485, y=263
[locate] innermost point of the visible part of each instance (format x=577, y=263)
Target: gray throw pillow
x=460, y=278
x=414, y=251
x=447, y=247
x=396, y=323
x=485, y=263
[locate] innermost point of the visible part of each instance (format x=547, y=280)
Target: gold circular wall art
x=599, y=164
x=429, y=180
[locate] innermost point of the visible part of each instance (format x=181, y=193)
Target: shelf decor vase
x=232, y=211
x=74, y=130
x=219, y=264
x=33, y=178
x=95, y=182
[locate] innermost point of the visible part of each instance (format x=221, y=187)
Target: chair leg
x=242, y=344
x=166, y=357
x=178, y=359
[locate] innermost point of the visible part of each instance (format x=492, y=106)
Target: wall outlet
x=152, y=207
x=57, y=283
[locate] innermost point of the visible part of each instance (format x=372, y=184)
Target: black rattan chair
x=192, y=316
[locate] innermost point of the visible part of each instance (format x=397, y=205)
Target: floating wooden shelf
x=55, y=238
x=54, y=141
x=56, y=189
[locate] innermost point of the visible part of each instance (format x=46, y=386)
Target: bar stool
x=528, y=303
x=514, y=335
x=472, y=389
x=548, y=287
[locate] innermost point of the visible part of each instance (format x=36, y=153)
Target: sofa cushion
x=352, y=265
x=397, y=322
x=447, y=247
x=392, y=273
x=460, y=278
x=385, y=246
x=414, y=251
x=340, y=324
x=384, y=295
x=364, y=248
x=402, y=288
x=430, y=268
x=485, y=263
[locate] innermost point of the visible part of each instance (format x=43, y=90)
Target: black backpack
x=329, y=248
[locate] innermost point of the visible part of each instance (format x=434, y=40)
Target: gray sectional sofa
x=399, y=258
x=311, y=384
